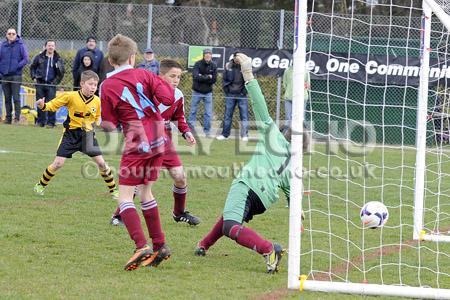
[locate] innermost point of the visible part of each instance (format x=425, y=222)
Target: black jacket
x=233, y=81
x=81, y=69
x=105, y=68
x=202, y=82
x=38, y=68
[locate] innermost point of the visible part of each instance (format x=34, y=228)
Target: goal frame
x=419, y=234
x=295, y=281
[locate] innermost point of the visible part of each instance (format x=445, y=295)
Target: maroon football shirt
x=175, y=113
x=131, y=97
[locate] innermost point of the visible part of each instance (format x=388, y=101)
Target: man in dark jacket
x=204, y=76
x=47, y=70
x=13, y=57
x=97, y=54
x=235, y=93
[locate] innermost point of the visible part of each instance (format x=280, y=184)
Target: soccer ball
x=374, y=214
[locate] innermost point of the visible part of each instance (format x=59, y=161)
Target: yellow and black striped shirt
x=83, y=111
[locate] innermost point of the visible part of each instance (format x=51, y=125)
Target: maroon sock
x=212, y=237
x=248, y=238
x=153, y=221
x=179, y=196
x=132, y=222
x=117, y=211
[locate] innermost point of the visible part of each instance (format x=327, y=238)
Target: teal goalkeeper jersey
x=269, y=168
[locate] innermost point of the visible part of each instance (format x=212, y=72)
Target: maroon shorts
x=171, y=158
x=139, y=171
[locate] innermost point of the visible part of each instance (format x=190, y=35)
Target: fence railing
x=170, y=30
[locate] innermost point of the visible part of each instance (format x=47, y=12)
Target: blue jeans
x=196, y=98
x=1, y=101
x=49, y=92
x=230, y=103
x=287, y=113
x=11, y=90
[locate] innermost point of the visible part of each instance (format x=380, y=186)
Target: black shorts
x=74, y=140
x=242, y=203
x=253, y=206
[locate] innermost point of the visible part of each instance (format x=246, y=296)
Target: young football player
x=170, y=71
x=79, y=135
x=255, y=188
x=130, y=97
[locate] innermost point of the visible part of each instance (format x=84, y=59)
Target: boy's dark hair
x=50, y=40
x=86, y=75
x=167, y=64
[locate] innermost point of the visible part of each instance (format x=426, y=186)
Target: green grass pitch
x=61, y=246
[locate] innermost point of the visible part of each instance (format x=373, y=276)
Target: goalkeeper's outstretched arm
x=256, y=96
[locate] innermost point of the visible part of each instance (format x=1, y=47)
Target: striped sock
x=109, y=179
x=152, y=219
x=132, y=222
x=48, y=175
x=179, y=196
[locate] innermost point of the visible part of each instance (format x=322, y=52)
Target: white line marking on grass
x=4, y=151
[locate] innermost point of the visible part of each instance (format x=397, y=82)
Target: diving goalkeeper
x=255, y=188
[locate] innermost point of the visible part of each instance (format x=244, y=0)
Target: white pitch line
x=4, y=151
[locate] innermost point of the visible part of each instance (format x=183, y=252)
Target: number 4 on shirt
x=144, y=101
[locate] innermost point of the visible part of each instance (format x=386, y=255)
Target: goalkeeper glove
x=246, y=66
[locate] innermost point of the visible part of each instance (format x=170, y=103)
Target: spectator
x=13, y=57
x=105, y=68
x=212, y=35
x=287, y=84
x=439, y=116
x=97, y=56
x=47, y=70
x=1, y=103
x=235, y=93
x=87, y=61
x=204, y=76
x=150, y=63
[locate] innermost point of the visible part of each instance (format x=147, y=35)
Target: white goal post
x=379, y=114
x=429, y=7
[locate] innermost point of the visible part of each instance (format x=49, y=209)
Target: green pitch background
x=61, y=246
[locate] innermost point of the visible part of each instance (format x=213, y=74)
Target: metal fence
x=170, y=30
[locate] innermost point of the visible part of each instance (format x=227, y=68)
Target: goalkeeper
x=255, y=189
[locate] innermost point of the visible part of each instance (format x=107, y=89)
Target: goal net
x=379, y=117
